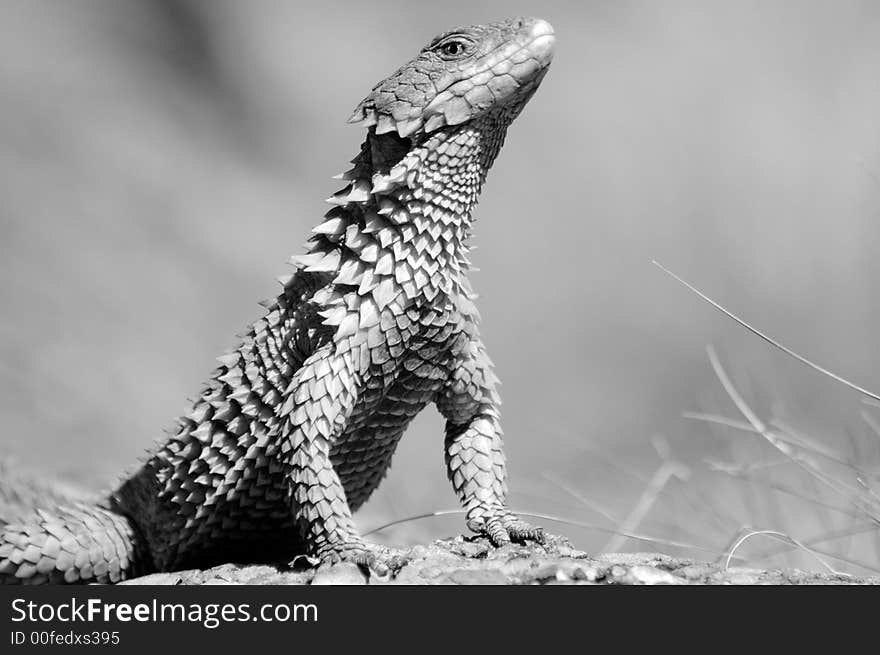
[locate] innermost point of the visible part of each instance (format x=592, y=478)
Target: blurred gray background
x=160, y=160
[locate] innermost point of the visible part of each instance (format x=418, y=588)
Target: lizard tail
x=74, y=543
x=68, y=541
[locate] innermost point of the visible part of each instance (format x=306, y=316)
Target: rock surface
x=473, y=561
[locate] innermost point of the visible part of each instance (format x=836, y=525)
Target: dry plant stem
x=852, y=495
x=828, y=536
x=558, y=519
x=871, y=423
x=783, y=435
x=792, y=436
x=768, y=339
x=864, y=500
x=774, y=534
x=667, y=470
x=742, y=474
x=583, y=500
x=579, y=497
x=783, y=442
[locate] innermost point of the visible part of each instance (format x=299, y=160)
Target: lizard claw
x=506, y=528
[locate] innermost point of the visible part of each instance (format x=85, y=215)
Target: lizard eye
x=452, y=49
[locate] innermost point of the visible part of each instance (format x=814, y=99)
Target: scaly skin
x=296, y=427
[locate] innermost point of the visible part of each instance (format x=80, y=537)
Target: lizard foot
x=506, y=527
x=355, y=551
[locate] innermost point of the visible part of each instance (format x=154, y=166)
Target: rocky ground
x=466, y=561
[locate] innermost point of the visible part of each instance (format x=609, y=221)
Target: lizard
x=296, y=427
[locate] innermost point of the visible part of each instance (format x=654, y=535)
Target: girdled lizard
x=297, y=426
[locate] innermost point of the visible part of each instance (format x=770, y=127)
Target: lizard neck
x=406, y=214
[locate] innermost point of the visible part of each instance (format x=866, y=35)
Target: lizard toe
x=357, y=552
x=506, y=528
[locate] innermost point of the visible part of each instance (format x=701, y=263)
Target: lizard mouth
x=543, y=41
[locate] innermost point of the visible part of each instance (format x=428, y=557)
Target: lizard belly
x=362, y=453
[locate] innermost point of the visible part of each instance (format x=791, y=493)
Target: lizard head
x=466, y=74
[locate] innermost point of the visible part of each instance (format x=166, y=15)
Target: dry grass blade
x=718, y=420
x=768, y=339
x=871, y=422
x=789, y=434
x=589, y=504
x=781, y=536
x=746, y=475
x=414, y=517
x=835, y=535
x=785, y=434
x=586, y=502
x=854, y=496
x=556, y=519
x=668, y=470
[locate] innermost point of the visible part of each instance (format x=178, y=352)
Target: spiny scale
x=297, y=426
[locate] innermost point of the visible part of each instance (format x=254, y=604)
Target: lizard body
x=297, y=426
